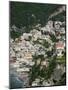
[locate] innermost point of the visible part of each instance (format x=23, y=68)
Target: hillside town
x=38, y=58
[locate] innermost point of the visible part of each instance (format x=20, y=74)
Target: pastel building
x=59, y=48
x=57, y=25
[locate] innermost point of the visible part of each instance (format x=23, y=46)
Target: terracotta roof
x=59, y=45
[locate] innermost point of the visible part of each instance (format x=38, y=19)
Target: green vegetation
x=51, y=67
x=60, y=17
x=45, y=44
x=14, y=34
x=36, y=42
x=44, y=72
x=29, y=15
x=30, y=38
x=53, y=38
x=49, y=53
x=26, y=14
x=62, y=58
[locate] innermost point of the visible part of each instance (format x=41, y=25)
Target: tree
x=53, y=38
x=44, y=72
x=45, y=44
x=14, y=34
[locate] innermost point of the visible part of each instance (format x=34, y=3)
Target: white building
x=48, y=27
x=27, y=35
x=36, y=34
x=59, y=48
x=12, y=53
x=57, y=25
x=50, y=24
x=24, y=69
x=62, y=31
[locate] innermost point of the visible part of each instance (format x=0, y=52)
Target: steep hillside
x=30, y=13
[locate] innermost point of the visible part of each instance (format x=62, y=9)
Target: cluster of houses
x=23, y=48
